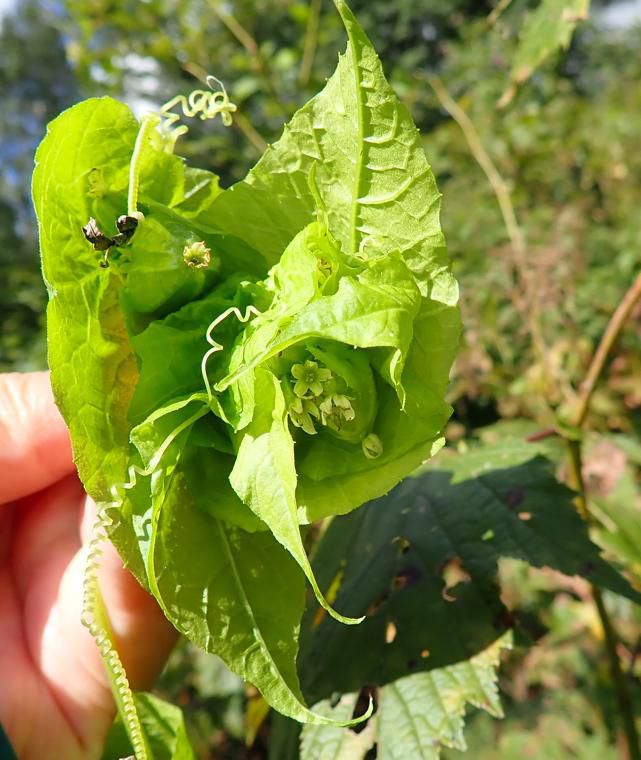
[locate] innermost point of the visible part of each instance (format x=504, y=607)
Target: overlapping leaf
x=369, y=274
x=417, y=715
x=421, y=563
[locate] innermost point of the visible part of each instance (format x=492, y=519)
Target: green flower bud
x=197, y=255
x=301, y=412
x=372, y=446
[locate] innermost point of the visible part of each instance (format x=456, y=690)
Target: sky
x=621, y=14
x=5, y=6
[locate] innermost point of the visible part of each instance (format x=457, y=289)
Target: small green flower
x=344, y=407
x=336, y=408
x=301, y=411
x=309, y=378
x=197, y=255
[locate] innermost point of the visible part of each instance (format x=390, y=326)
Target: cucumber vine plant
x=234, y=365
x=325, y=278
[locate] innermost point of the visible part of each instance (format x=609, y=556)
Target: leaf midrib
x=248, y=609
x=358, y=176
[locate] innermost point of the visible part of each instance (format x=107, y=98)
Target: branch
x=311, y=42
x=614, y=327
x=496, y=12
x=251, y=46
x=609, y=633
x=514, y=231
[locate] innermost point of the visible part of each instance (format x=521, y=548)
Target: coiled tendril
x=215, y=346
x=94, y=616
x=206, y=104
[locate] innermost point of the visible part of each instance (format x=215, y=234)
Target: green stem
x=498, y=10
x=610, y=636
x=618, y=676
x=147, y=126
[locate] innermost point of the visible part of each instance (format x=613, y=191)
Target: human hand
x=55, y=700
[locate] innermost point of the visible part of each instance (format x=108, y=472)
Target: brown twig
x=612, y=331
x=253, y=49
x=246, y=127
x=614, y=327
x=609, y=633
x=541, y=435
x=514, y=231
x=496, y=12
x=311, y=42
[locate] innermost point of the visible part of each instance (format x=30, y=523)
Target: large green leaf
x=138, y=334
x=93, y=370
x=416, y=716
x=422, y=562
x=371, y=172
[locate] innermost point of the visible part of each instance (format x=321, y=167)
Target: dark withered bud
x=96, y=236
x=126, y=227
x=127, y=224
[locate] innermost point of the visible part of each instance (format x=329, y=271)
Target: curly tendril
x=154, y=462
x=203, y=103
x=94, y=618
x=206, y=104
x=215, y=346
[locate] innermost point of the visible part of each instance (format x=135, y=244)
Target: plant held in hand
x=236, y=363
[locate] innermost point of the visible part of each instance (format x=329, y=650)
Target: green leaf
x=547, y=29
x=264, y=477
x=371, y=172
x=164, y=728
x=237, y=594
x=424, y=558
x=416, y=715
x=92, y=378
x=139, y=333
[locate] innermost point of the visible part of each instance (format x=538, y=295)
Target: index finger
x=35, y=450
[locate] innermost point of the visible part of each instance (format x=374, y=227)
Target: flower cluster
x=315, y=398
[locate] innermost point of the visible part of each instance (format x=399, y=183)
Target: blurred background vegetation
x=568, y=150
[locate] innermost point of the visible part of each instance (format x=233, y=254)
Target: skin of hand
x=55, y=701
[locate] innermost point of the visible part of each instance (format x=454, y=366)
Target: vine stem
x=609, y=633
x=497, y=11
x=614, y=327
x=575, y=449
x=252, y=47
x=96, y=619
x=311, y=42
x=147, y=126
x=513, y=229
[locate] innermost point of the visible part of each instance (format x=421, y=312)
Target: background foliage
x=567, y=149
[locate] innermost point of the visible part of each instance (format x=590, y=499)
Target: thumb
x=34, y=443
